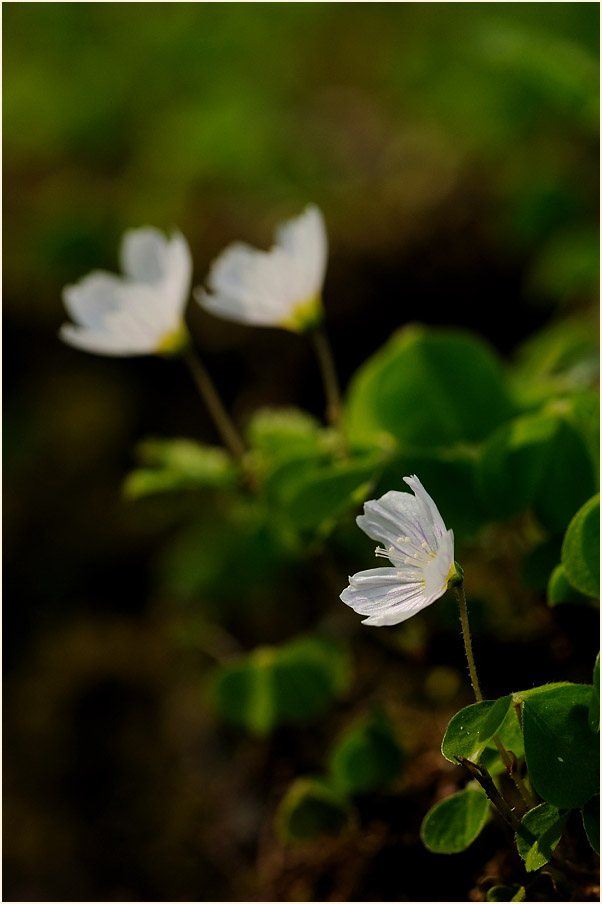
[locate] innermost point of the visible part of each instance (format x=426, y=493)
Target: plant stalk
x=472, y=671
x=210, y=396
x=329, y=376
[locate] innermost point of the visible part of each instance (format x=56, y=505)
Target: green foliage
x=285, y=433
x=561, y=750
x=273, y=685
x=591, y=822
x=594, y=706
x=561, y=591
x=539, y=832
x=427, y=388
x=470, y=730
x=525, y=463
x=506, y=893
x=367, y=756
x=310, y=809
x=178, y=464
x=581, y=549
x=453, y=824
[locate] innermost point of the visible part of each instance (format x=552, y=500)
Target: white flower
x=419, y=547
x=140, y=313
x=280, y=287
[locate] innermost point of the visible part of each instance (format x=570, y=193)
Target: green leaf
x=511, y=463
x=594, y=706
x=282, y=433
x=539, y=832
x=561, y=591
x=426, y=388
x=506, y=893
x=324, y=493
x=310, y=809
x=591, y=822
x=581, y=549
x=275, y=685
x=454, y=823
x=525, y=464
x=367, y=756
x=561, y=750
x=178, y=464
x=470, y=730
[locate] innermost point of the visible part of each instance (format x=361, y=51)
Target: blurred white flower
x=419, y=547
x=281, y=287
x=139, y=313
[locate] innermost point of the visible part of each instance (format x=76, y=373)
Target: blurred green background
x=453, y=149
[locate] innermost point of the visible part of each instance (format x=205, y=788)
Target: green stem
x=329, y=376
x=221, y=418
x=472, y=671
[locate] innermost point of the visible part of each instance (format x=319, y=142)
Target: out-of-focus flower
x=419, y=547
x=139, y=313
x=281, y=287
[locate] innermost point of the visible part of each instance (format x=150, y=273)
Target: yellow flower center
x=173, y=343
x=304, y=315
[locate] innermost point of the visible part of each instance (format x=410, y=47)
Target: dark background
x=453, y=151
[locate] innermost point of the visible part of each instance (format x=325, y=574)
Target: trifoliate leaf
x=367, y=756
x=470, y=730
x=591, y=822
x=310, y=809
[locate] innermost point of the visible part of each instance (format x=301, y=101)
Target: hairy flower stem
x=472, y=671
x=504, y=754
x=334, y=408
x=209, y=394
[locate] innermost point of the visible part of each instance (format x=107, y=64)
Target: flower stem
x=221, y=418
x=504, y=754
x=461, y=597
x=329, y=376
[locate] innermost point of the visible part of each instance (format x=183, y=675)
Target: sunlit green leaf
x=506, y=893
x=562, y=751
x=427, y=388
x=178, y=464
x=539, y=832
x=454, y=823
x=470, y=730
x=581, y=549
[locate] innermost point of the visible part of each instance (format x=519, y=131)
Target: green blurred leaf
x=274, y=685
x=281, y=433
x=178, y=464
x=561, y=591
x=310, y=809
x=525, y=463
x=561, y=750
x=470, y=730
x=581, y=549
x=591, y=822
x=506, y=893
x=539, y=832
x=594, y=706
x=427, y=388
x=367, y=756
x=454, y=823
x=324, y=493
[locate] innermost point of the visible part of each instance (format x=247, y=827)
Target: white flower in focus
x=280, y=287
x=139, y=313
x=420, y=549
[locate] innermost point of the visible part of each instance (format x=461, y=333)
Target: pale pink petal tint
x=420, y=549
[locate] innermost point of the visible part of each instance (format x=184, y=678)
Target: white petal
x=92, y=298
x=179, y=273
x=305, y=242
x=143, y=255
x=383, y=595
x=100, y=343
x=394, y=516
x=429, y=506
